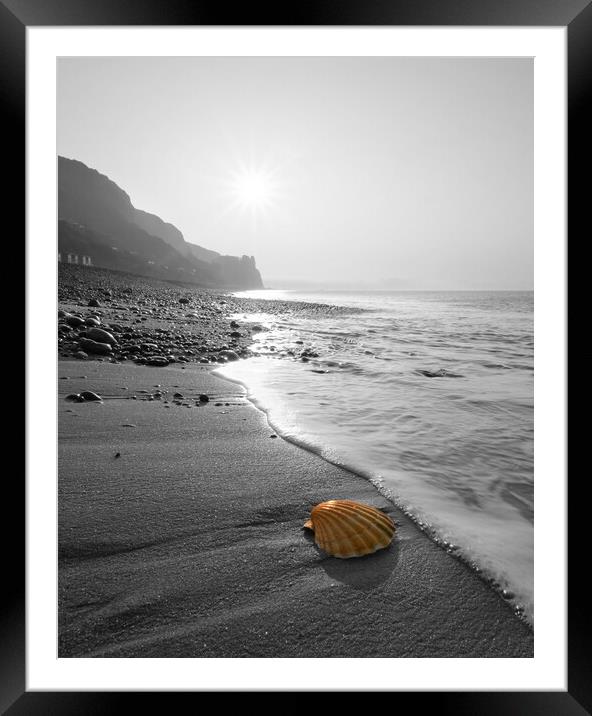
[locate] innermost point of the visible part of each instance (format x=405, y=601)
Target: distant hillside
x=97, y=215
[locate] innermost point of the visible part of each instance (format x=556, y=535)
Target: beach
x=191, y=542
x=181, y=519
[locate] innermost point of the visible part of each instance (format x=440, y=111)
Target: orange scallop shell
x=344, y=528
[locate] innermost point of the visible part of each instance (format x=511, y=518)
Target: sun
x=253, y=189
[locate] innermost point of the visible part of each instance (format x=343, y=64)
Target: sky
x=336, y=172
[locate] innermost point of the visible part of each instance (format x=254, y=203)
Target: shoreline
x=132, y=567
x=424, y=528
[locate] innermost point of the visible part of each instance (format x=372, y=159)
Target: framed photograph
x=310, y=273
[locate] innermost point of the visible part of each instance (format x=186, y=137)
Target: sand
x=190, y=543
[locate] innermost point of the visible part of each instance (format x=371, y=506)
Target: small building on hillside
x=73, y=259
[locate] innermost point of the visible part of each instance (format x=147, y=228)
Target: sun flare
x=253, y=189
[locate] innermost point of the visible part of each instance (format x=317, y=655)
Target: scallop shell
x=344, y=528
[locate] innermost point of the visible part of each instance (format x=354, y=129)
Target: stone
x=229, y=355
x=90, y=346
x=74, y=321
x=101, y=336
x=158, y=361
x=90, y=395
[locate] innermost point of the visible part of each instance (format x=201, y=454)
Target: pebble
x=90, y=346
x=90, y=395
x=101, y=336
x=158, y=361
x=74, y=321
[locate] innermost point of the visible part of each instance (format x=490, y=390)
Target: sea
x=429, y=395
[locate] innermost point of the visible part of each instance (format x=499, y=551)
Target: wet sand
x=190, y=542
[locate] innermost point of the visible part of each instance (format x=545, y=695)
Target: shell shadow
x=362, y=573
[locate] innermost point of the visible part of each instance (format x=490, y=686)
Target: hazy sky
x=390, y=172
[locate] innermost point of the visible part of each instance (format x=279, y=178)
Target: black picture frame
x=576, y=15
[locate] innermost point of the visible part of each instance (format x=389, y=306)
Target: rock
x=92, y=321
x=158, y=361
x=229, y=355
x=236, y=334
x=101, y=336
x=178, y=395
x=184, y=300
x=93, y=303
x=74, y=398
x=81, y=355
x=203, y=398
x=234, y=324
x=90, y=346
x=90, y=396
x=74, y=321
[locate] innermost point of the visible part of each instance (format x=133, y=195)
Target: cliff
x=97, y=215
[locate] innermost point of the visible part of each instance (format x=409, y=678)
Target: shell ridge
x=376, y=513
x=334, y=541
x=364, y=521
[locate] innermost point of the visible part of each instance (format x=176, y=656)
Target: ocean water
x=430, y=396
